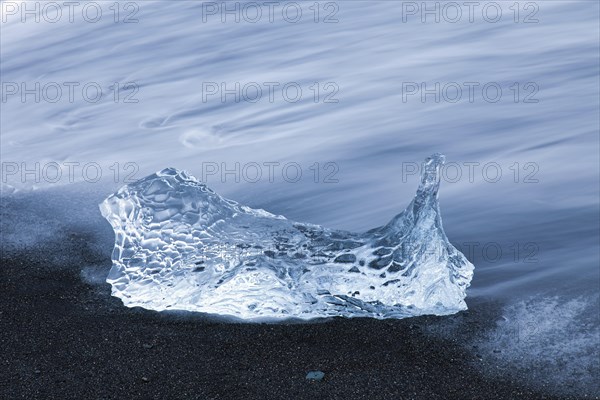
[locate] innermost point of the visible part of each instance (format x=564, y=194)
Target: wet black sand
x=63, y=336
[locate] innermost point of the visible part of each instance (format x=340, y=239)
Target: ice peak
x=430, y=175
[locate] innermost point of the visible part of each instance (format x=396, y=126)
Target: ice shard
x=181, y=246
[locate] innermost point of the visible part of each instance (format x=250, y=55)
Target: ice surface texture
x=181, y=246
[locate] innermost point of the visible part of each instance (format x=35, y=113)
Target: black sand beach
x=63, y=336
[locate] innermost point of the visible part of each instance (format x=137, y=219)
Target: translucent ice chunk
x=179, y=245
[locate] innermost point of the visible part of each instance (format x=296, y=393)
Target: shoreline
x=65, y=336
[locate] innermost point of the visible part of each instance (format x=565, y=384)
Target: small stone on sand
x=315, y=376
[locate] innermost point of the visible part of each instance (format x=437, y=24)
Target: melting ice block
x=181, y=246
